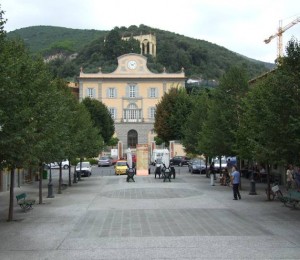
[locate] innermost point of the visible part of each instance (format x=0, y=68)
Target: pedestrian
x=229, y=165
x=235, y=181
x=297, y=178
x=212, y=170
x=289, y=177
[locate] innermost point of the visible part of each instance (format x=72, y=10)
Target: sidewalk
x=187, y=218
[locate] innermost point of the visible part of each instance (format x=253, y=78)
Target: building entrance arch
x=132, y=138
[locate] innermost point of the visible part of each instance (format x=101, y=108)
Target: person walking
x=297, y=178
x=235, y=180
x=289, y=177
x=212, y=170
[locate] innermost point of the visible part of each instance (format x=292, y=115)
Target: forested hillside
x=41, y=39
x=92, y=49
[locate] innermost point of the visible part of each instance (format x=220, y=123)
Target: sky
x=240, y=26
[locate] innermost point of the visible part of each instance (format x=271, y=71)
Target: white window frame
x=132, y=91
x=113, y=112
x=111, y=92
x=90, y=92
x=152, y=112
x=152, y=92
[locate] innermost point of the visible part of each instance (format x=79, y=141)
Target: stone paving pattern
x=104, y=217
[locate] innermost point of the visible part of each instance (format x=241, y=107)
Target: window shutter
x=94, y=93
x=127, y=91
x=156, y=92
x=137, y=91
x=116, y=93
x=107, y=93
x=87, y=92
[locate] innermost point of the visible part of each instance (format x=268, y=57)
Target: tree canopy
x=101, y=117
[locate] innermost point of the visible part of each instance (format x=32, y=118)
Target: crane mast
x=279, y=33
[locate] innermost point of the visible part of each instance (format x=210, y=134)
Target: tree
x=113, y=45
x=194, y=122
x=101, y=118
x=270, y=125
x=218, y=132
x=171, y=114
x=89, y=142
x=2, y=23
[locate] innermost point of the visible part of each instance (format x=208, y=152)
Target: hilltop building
x=147, y=43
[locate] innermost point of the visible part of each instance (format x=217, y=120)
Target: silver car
x=85, y=169
x=105, y=161
x=197, y=166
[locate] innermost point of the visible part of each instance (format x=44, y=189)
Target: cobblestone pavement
x=104, y=217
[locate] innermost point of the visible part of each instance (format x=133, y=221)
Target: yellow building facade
x=131, y=94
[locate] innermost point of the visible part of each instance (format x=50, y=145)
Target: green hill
x=200, y=59
x=42, y=38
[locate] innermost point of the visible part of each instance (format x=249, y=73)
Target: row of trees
x=259, y=122
x=41, y=121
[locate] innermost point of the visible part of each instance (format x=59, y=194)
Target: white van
x=216, y=161
x=157, y=153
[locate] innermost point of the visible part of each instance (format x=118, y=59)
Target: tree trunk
x=70, y=176
x=11, y=195
x=268, y=182
x=60, y=179
x=41, y=184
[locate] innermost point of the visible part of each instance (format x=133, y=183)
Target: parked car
x=114, y=160
x=179, y=160
x=105, y=161
x=197, y=166
x=120, y=167
x=65, y=164
x=85, y=170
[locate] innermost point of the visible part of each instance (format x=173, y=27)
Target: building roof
x=139, y=70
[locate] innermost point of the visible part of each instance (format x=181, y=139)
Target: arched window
x=132, y=113
x=132, y=138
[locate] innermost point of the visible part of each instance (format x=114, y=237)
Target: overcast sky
x=240, y=26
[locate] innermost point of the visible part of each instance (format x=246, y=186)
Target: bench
x=23, y=202
x=291, y=199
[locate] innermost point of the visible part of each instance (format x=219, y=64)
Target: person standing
x=229, y=165
x=297, y=178
x=212, y=170
x=235, y=180
x=289, y=177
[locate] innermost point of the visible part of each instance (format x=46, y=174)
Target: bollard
x=50, y=190
x=212, y=180
x=252, y=190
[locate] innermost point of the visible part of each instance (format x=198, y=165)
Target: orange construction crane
x=281, y=30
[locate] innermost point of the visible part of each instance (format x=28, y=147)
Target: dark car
x=197, y=166
x=180, y=160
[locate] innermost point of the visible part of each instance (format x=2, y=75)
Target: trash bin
x=45, y=174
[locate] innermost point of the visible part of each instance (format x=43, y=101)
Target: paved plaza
x=104, y=217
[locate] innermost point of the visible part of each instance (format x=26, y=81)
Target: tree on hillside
x=101, y=117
